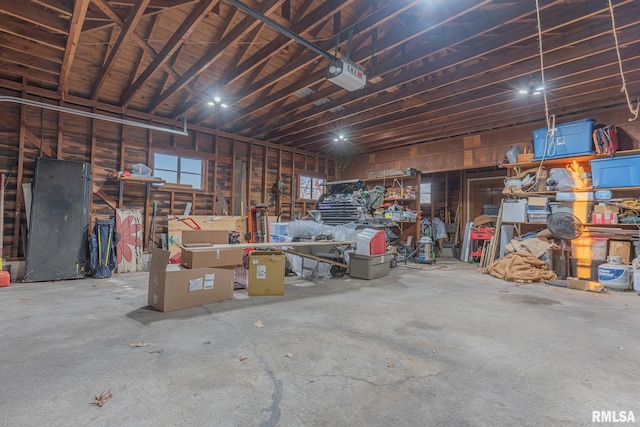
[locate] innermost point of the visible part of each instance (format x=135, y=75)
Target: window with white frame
x=310, y=187
x=425, y=193
x=178, y=170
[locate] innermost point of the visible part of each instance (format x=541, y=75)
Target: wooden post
x=19, y=197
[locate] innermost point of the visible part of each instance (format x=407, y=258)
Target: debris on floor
x=288, y=355
x=243, y=357
x=259, y=324
x=139, y=344
x=102, y=398
x=155, y=351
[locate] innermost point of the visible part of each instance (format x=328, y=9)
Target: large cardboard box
x=266, y=273
x=172, y=287
x=621, y=249
x=206, y=258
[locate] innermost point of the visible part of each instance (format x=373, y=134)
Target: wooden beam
x=197, y=15
x=130, y=25
x=25, y=133
x=245, y=26
x=39, y=16
x=37, y=35
x=75, y=29
x=98, y=191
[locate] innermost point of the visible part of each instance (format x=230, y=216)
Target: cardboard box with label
x=266, y=273
x=172, y=287
x=196, y=251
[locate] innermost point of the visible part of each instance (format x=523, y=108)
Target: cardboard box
x=538, y=203
x=266, y=273
x=584, y=285
x=206, y=258
x=602, y=208
x=204, y=237
x=172, y=287
x=604, y=218
x=621, y=249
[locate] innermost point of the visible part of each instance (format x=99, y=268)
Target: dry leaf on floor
x=139, y=344
x=206, y=342
x=155, y=351
x=243, y=357
x=259, y=324
x=102, y=398
x=288, y=355
x=391, y=365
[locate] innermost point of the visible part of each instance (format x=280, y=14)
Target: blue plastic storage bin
x=570, y=139
x=614, y=172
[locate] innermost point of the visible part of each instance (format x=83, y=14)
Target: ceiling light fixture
x=217, y=101
x=340, y=137
x=533, y=88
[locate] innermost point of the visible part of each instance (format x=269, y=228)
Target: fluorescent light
x=210, y=103
x=523, y=92
x=224, y=105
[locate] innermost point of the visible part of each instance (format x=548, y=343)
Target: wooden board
x=129, y=229
x=206, y=222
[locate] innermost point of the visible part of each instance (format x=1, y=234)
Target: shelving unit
x=626, y=231
x=395, y=184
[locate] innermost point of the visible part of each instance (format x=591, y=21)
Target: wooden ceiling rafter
x=531, y=55
x=237, y=32
x=45, y=38
x=306, y=59
x=386, y=43
x=169, y=5
x=406, y=76
x=304, y=24
x=35, y=15
x=75, y=28
x=197, y=15
x=135, y=15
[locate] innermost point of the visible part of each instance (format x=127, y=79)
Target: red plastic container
x=371, y=242
x=5, y=279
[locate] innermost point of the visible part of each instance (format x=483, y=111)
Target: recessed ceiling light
x=217, y=99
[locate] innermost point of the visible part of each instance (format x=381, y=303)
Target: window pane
x=425, y=193
x=171, y=177
x=318, y=188
x=165, y=161
x=190, y=165
x=305, y=187
x=191, y=179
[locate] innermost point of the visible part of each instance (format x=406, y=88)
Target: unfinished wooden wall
x=28, y=132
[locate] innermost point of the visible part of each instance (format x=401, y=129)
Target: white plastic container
x=614, y=275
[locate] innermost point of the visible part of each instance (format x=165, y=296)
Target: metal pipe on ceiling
x=67, y=110
x=282, y=30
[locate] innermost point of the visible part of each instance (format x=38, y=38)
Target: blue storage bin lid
x=575, y=122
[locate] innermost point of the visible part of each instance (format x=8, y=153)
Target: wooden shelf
x=394, y=199
x=141, y=179
x=569, y=159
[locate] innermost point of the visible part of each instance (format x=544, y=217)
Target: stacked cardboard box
x=205, y=275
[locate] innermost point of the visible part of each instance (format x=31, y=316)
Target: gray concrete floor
x=439, y=345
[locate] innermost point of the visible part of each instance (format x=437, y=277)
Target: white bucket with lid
x=636, y=274
x=614, y=275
